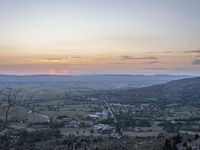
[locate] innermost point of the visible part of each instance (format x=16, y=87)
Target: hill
x=178, y=90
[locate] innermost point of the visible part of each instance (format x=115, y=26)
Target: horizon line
x=98, y=74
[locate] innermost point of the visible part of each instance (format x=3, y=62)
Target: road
x=110, y=110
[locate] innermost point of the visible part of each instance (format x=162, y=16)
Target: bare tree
x=8, y=101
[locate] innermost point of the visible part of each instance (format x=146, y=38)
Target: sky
x=99, y=37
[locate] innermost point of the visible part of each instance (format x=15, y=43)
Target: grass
x=80, y=131
x=68, y=113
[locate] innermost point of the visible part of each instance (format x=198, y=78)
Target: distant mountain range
x=102, y=82
x=178, y=90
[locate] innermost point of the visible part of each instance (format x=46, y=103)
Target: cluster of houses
x=99, y=115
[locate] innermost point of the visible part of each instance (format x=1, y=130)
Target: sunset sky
x=100, y=37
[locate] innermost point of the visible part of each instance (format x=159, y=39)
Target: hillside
x=183, y=89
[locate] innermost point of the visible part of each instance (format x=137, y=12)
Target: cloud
x=157, y=68
x=153, y=62
x=196, y=62
x=54, y=59
x=172, y=52
x=138, y=58
x=193, y=51
x=165, y=68
x=76, y=57
x=165, y=52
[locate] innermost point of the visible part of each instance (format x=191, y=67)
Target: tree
x=8, y=100
x=196, y=136
x=189, y=148
x=185, y=144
